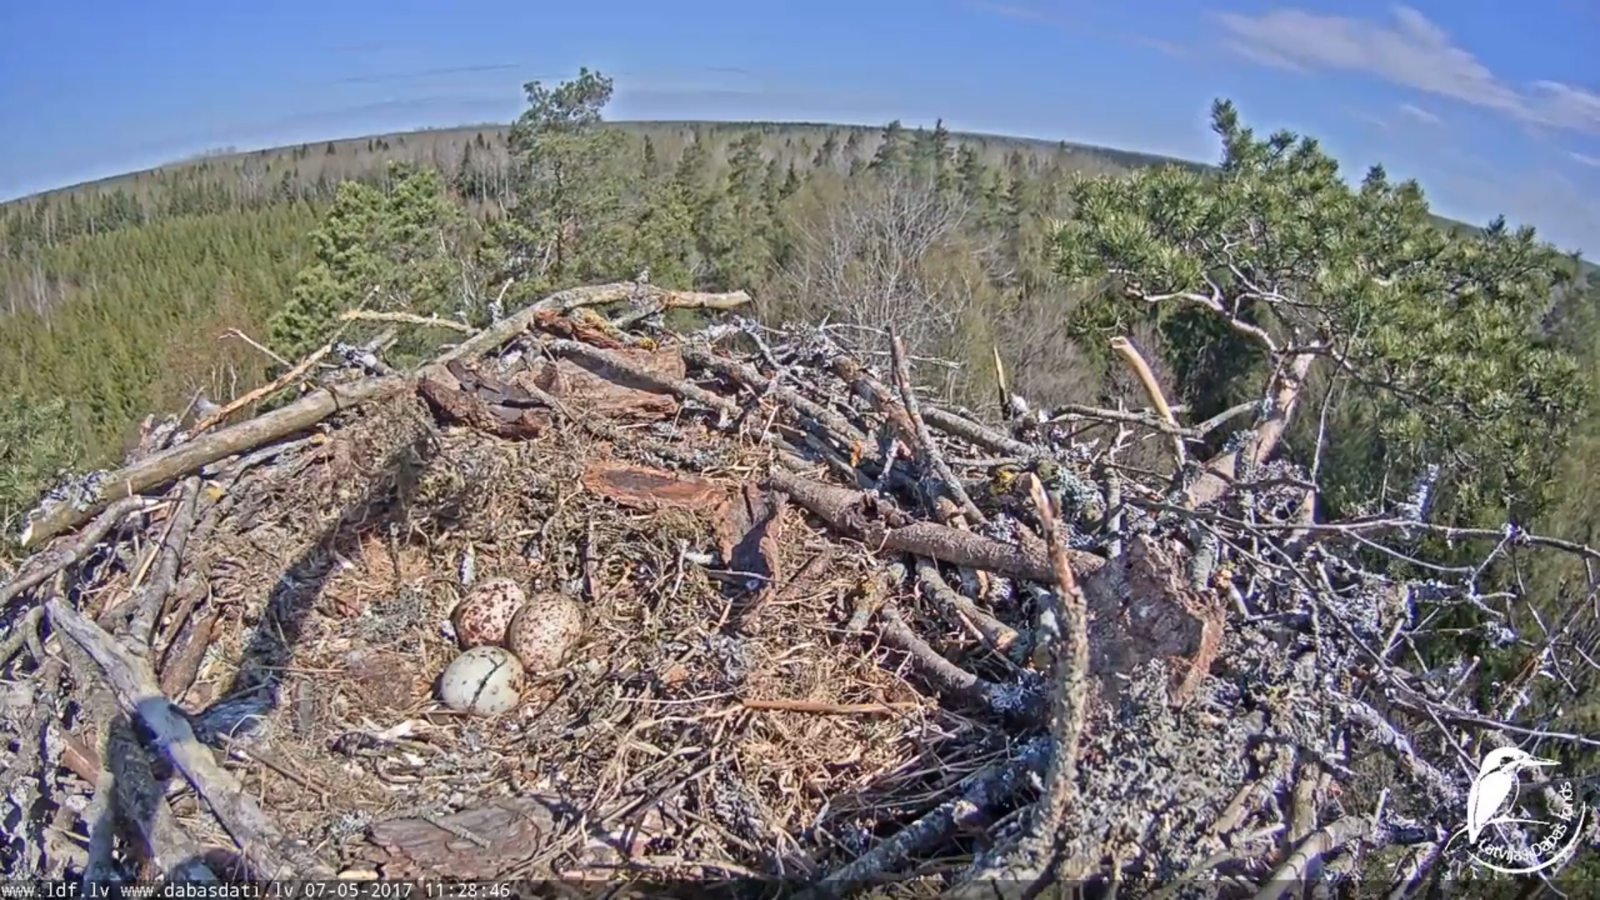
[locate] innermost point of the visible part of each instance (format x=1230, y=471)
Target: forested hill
x=444, y=148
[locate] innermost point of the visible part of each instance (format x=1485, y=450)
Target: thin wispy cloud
x=1409, y=51
x=1170, y=48
x=1584, y=159
x=1420, y=114
x=1010, y=11
x=427, y=73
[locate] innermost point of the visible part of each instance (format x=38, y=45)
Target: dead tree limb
x=983, y=791
x=1004, y=700
x=1067, y=615
x=50, y=563
x=165, y=577
x=407, y=319
x=681, y=389
x=1152, y=389
x=931, y=457
x=263, y=844
x=1284, y=394
x=568, y=300
x=189, y=457
x=982, y=435
x=1296, y=869
x=843, y=509
x=749, y=377
x=996, y=633
x=266, y=390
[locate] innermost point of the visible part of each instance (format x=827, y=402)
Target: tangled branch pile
x=833, y=632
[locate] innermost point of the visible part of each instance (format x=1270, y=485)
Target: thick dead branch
x=844, y=509
x=1004, y=700
x=165, y=576
x=749, y=377
x=42, y=567
x=1297, y=868
x=999, y=635
x=682, y=389
x=1066, y=622
x=929, y=451
x=594, y=295
x=1222, y=469
x=983, y=791
x=266, y=390
x=407, y=319
x=268, y=851
x=189, y=457
x=982, y=435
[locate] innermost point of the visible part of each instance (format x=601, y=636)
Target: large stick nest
x=827, y=637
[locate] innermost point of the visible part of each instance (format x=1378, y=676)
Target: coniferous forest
x=1475, y=365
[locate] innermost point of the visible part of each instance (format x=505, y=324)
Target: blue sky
x=1494, y=106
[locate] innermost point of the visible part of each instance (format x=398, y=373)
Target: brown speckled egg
x=544, y=630
x=483, y=615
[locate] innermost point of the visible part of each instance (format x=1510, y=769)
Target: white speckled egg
x=482, y=616
x=483, y=680
x=544, y=630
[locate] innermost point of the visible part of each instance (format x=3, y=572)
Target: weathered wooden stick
x=148, y=604
x=370, y=315
x=748, y=376
x=1152, y=389
x=139, y=802
x=48, y=564
x=1295, y=869
x=568, y=300
x=611, y=360
x=186, y=458
x=998, y=634
x=930, y=451
x=266, y=390
x=1069, y=685
x=983, y=791
x=1284, y=395
x=842, y=509
x=264, y=846
x=1005, y=700
x=982, y=435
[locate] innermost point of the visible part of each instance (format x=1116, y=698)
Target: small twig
x=837, y=709
x=407, y=319
x=236, y=333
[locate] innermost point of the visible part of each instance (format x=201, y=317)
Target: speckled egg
x=484, y=681
x=482, y=616
x=544, y=630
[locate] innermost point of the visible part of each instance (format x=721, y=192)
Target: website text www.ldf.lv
x=74, y=890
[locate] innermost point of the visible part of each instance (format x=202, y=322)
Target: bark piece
x=640, y=487
x=416, y=848
x=1156, y=615
x=749, y=528
x=463, y=397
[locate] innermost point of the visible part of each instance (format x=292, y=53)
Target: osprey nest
x=783, y=619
